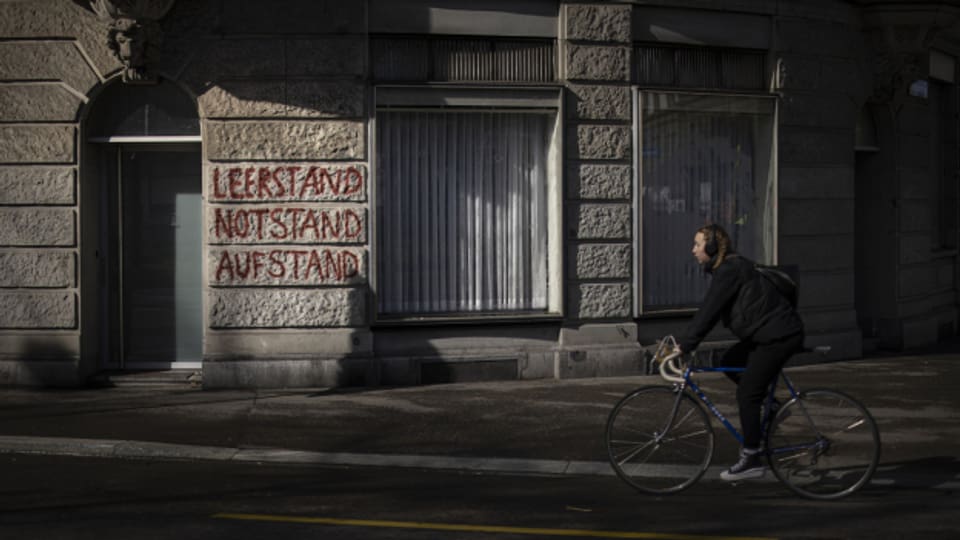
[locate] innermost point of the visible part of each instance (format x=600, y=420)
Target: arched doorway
x=141, y=222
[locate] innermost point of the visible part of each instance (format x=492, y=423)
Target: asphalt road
x=51, y=498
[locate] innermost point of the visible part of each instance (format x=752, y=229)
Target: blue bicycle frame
x=765, y=421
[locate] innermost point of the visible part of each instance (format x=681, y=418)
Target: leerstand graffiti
x=262, y=182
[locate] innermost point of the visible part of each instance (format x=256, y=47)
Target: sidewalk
x=522, y=427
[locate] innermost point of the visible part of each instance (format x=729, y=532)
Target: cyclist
x=768, y=327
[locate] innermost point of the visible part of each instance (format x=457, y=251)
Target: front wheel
x=824, y=445
x=659, y=441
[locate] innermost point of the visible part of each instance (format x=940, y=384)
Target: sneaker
x=748, y=467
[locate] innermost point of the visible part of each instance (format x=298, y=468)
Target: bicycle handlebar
x=666, y=355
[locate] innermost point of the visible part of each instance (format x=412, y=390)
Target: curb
x=124, y=449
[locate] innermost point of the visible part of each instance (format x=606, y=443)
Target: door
x=161, y=257
x=152, y=234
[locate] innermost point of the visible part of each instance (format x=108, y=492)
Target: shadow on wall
x=41, y=361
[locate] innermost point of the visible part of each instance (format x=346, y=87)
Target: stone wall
x=596, y=60
x=52, y=54
x=599, y=333
x=284, y=111
x=822, y=85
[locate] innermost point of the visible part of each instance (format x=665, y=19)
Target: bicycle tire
x=661, y=467
x=824, y=445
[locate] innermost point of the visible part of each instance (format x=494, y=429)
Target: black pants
x=763, y=362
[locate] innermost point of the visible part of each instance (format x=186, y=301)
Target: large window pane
x=706, y=159
x=462, y=211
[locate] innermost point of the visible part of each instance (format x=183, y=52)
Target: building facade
x=380, y=192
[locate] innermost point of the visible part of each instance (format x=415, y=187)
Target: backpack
x=781, y=280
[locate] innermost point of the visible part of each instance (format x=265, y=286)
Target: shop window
x=699, y=67
x=467, y=202
x=705, y=158
x=462, y=59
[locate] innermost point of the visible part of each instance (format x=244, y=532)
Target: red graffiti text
x=306, y=265
x=290, y=224
x=286, y=182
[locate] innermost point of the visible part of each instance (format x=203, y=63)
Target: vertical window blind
x=705, y=159
x=462, y=211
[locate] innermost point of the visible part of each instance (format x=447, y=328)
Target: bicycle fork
x=678, y=389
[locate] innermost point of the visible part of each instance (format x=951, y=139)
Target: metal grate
x=444, y=59
x=688, y=67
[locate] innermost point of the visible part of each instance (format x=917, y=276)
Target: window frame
x=475, y=98
x=639, y=310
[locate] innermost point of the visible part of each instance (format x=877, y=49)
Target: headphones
x=710, y=246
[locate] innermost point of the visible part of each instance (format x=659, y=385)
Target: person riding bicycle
x=767, y=325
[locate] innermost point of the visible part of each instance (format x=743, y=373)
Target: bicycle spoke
x=653, y=452
x=826, y=449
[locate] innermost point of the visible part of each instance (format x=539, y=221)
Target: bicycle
x=821, y=443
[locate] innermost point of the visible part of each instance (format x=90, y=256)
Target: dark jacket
x=748, y=303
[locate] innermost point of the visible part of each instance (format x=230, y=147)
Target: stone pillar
x=600, y=335
x=821, y=91
x=918, y=291
x=286, y=172
x=51, y=55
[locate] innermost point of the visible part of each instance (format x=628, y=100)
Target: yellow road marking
x=476, y=528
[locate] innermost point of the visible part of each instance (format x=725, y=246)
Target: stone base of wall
x=900, y=334
x=44, y=373
x=287, y=373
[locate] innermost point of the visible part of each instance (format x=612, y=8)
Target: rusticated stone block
x=600, y=181
x=814, y=254
x=816, y=217
x=46, y=60
x=236, y=58
x=286, y=266
x=37, y=185
x=285, y=140
x=53, y=18
x=816, y=146
x=309, y=17
x=326, y=99
x=799, y=72
x=284, y=99
x=599, y=22
x=243, y=99
x=607, y=221
x=601, y=142
x=602, y=301
x=288, y=224
x=37, y=144
x=599, y=102
x=293, y=182
x=603, y=261
x=598, y=63
x=282, y=308
x=37, y=269
x=327, y=56
x=37, y=227
x=814, y=37
x=38, y=309
x=37, y=103
x=816, y=183
x=824, y=111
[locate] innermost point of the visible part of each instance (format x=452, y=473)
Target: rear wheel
x=651, y=453
x=824, y=445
